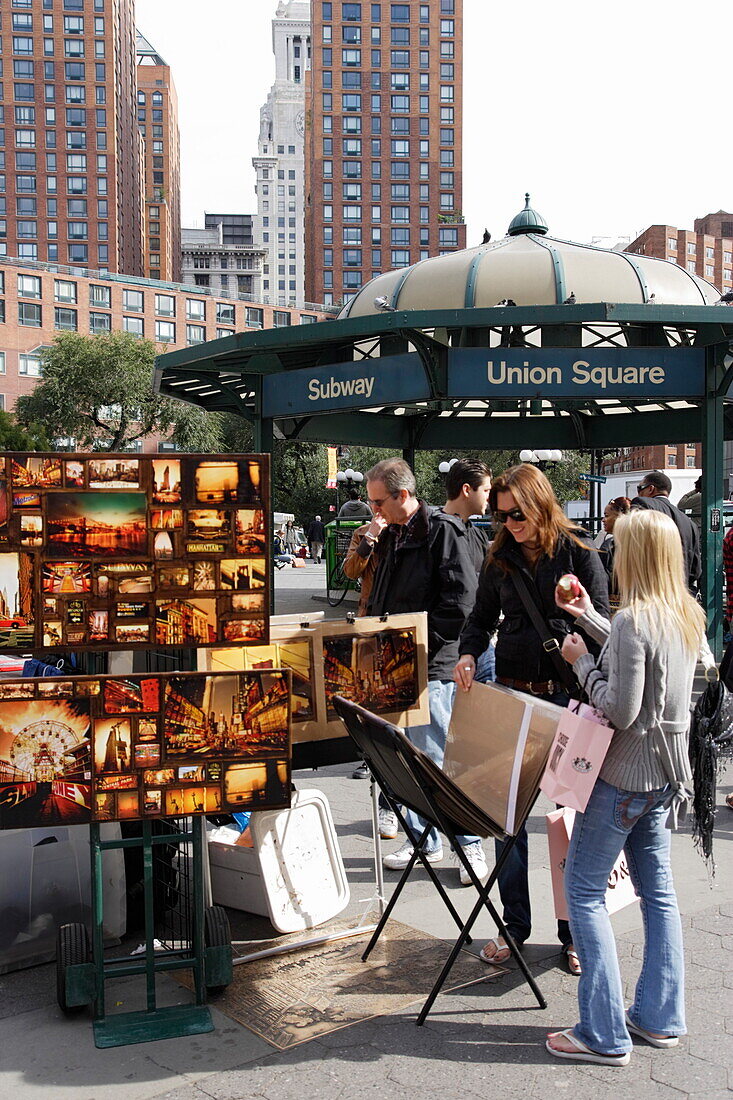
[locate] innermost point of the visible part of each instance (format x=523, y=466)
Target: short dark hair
x=465, y=471
x=353, y=494
x=659, y=480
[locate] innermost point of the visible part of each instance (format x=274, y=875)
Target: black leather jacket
x=519, y=652
x=429, y=568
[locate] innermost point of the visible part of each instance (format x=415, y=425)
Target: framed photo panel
x=114, y=552
x=112, y=748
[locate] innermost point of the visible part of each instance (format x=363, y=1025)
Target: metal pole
x=97, y=918
x=712, y=503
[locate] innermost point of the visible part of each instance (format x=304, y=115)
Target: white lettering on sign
x=582, y=375
x=350, y=387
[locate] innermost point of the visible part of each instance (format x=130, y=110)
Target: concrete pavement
x=484, y=1041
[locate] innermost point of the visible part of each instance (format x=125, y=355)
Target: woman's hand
x=465, y=671
x=577, y=606
x=573, y=647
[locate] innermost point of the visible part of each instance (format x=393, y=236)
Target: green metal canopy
x=581, y=374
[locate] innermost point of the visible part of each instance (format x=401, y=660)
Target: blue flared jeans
x=635, y=822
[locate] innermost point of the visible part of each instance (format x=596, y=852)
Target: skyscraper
x=157, y=115
x=279, y=163
x=383, y=142
x=72, y=171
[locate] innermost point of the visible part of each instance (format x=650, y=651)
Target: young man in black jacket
x=654, y=490
x=426, y=564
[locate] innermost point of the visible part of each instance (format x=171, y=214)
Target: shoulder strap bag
x=550, y=643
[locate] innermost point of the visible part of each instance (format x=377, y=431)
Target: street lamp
x=542, y=459
x=344, y=477
x=444, y=466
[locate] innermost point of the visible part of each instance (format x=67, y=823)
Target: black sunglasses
x=641, y=486
x=514, y=513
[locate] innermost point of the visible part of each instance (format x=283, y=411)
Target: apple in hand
x=568, y=587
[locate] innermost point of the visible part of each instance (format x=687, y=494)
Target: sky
x=613, y=116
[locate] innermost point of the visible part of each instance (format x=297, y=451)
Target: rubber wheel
x=217, y=933
x=72, y=947
x=338, y=584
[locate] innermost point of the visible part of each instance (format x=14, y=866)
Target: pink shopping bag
x=620, y=892
x=578, y=750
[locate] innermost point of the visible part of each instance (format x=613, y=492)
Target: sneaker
x=362, y=772
x=387, y=825
x=474, y=853
x=397, y=861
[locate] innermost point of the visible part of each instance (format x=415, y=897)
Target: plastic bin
x=294, y=874
x=45, y=881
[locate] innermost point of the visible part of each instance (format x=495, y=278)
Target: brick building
x=383, y=145
x=706, y=250
x=157, y=116
x=72, y=180
x=663, y=456
x=37, y=301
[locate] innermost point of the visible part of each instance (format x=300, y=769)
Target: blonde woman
x=642, y=681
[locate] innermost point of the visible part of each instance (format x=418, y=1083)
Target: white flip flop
x=661, y=1041
x=500, y=948
x=582, y=1053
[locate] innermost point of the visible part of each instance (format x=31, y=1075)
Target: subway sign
x=649, y=373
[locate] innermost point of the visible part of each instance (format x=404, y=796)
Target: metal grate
x=174, y=886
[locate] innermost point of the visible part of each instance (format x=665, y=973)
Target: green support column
x=712, y=503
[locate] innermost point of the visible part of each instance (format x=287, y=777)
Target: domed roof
x=530, y=268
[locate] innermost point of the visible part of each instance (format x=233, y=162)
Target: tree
x=98, y=390
x=15, y=438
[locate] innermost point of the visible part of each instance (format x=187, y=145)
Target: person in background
x=619, y=506
x=290, y=538
x=538, y=541
x=654, y=490
x=354, y=507
x=425, y=564
x=642, y=682
x=316, y=535
x=691, y=503
x=728, y=570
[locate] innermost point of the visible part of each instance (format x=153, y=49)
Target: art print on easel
x=118, y=552
x=112, y=748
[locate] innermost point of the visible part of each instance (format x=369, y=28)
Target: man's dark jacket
x=689, y=534
x=519, y=652
x=429, y=568
x=316, y=531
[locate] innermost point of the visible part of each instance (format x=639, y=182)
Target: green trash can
x=338, y=537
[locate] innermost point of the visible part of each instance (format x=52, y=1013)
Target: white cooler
x=294, y=874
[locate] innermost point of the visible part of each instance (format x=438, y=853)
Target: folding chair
x=410, y=780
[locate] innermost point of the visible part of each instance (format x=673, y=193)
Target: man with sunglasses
x=425, y=564
x=654, y=490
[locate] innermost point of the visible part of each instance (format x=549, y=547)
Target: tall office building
x=706, y=250
x=157, y=115
x=384, y=140
x=72, y=166
x=279, y=163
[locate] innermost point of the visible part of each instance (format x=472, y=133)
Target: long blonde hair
x=534, y=495
x=650, y=574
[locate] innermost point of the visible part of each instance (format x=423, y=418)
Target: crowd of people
x=629, y=639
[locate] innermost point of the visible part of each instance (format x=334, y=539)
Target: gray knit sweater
x=644, y=689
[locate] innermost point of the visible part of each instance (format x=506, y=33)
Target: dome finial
x=527, y=220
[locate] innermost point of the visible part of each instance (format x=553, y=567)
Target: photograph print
x=105, y=524
x=377, y=671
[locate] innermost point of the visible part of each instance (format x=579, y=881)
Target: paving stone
x=715, y=1049
x=710, y=922
x=688, y=1074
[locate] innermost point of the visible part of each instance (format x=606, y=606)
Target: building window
x=280, y=319
x=690, y=250
x=165, y=332
x=2, y=362
x=224, y=313
x=99, y=322
x=99, y=296
x=65, y=319
x=135, y=325
x=195, y=309
x=195, y=334
x=672, y=244
x=165, y=305
x=133, y=300
x=29, y=314
x=671, y=460
x=30, y=365
x=254, y=317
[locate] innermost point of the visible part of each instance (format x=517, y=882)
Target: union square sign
x=651, y=373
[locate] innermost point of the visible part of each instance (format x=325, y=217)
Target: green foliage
x=15, y=438
x=98, y=390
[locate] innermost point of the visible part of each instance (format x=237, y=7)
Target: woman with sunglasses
x=537, y=541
